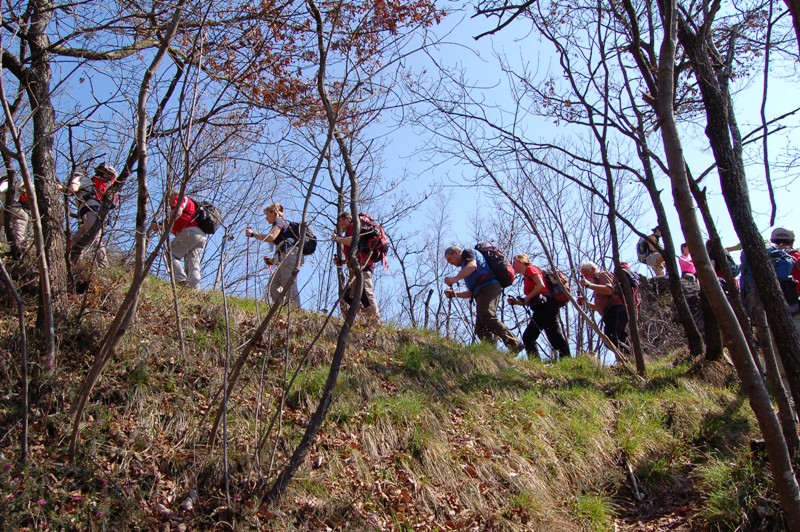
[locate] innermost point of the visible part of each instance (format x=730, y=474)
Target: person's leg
x=622, y=326
x=529, y=338
x=280, y=279
x=17, y=219
x=193, y=257
x=481, y=332
x=656, y=262
x=350, y=290
x=97, y=247
x=88, y=220
x=549, y=322
x=371, y=310
x=487, y=313
x=294, y=290
x=615, y=320
x=179, y=247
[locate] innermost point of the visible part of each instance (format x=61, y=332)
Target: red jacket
x=187, y=217
x=795, y=253
x=363, y=257
x=529, y=284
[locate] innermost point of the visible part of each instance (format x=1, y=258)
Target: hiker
x=716, y=263
x=545, y=309
x=15, y=217
x=648, y=254
x=608, y=302
x=688, y=271
x=89, y=193
x=485, y=289
x=287, y=254
x=369, y=306
x=784, y=261
x=188, y=243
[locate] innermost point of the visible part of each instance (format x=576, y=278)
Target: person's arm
x=450, y=293
x=538, y=288
x=72, y=187
x=581, y=300
x=605, y=287
x=264, y=237
x=343, y=240
x=468, y=270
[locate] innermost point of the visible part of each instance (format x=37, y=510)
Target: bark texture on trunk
x=37, y=85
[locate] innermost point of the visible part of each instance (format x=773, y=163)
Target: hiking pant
x=369, y=306
x=188, y=245
x=615, y=324
x=279, y=280
x=95, y=246
x=545, y=318
x=16, y=220
x=487, y=324
x=656, y=263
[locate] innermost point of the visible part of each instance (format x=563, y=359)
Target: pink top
x=686, y=264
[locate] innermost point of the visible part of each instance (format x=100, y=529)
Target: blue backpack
x=783, y=263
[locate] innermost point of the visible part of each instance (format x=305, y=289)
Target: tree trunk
x=752, y=382
x=711, y=330
x=37, y=84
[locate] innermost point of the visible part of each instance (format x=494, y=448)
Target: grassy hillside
x=423, y=434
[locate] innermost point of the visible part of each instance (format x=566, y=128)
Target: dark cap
x=656, y=228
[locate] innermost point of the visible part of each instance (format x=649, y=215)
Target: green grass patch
x=308, y=385
x=412, y=357
x=404, y=407
x=739, y=494
x=593, y=512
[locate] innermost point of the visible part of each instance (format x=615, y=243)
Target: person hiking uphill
x=485, y=289
x=369, y=306
x=287, y=253
x=648, y=254
x=89, y=193
x=688, y=270
x=545, y=309
x=785, y=263
x=188, y=243
x=608, y=302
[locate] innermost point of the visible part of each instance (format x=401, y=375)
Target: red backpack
x=372, y=239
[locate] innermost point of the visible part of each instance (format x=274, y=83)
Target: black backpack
x=498, y=263
x=208, y=217
x=642, y=250
x=558, y=285
x=310, y=244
